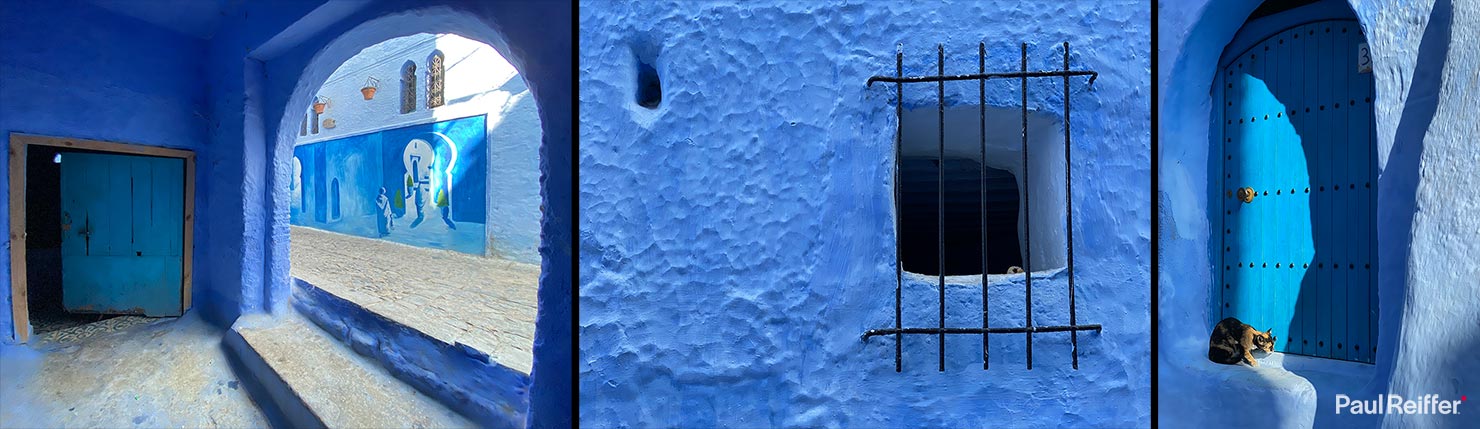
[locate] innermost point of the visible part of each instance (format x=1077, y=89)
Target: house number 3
x=1364, y=59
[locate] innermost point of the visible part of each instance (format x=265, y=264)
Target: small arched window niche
x=968, y=209
x=436, y=70
x=408, y=87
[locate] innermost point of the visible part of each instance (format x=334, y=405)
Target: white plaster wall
x=474, y=77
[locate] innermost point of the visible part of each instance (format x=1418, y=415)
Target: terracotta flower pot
x=318, y=107
x=369, y=92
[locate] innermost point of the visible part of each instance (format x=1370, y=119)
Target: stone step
x=316, y=381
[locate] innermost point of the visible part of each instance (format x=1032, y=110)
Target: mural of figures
x=384, y=219
x=386, y=184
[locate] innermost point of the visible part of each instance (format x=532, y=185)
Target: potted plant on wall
x=371, y=84
x=319, y=103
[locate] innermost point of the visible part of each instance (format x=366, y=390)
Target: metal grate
x=435, y=72
x=408, y=87
x=981, y=77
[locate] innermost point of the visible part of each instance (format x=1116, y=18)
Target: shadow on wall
x=1398, y=185
x=1330, y=243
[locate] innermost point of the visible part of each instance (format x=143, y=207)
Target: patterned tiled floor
x=485, y=303
x=46, y=319
x=79, y=332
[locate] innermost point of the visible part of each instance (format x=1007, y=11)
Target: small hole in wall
x=649, y=86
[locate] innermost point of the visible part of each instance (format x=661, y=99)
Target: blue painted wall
x=66, y=66
x=289, y=53
x=71, y=69
x=1424, y=108
x=356, y=168
x=737, y=241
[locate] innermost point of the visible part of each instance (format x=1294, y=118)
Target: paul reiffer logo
x=1395, y=404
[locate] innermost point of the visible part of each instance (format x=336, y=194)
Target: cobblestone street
x=485, y=303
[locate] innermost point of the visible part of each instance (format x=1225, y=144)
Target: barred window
x=435, y=72
x=408, y=87
x=980, y=196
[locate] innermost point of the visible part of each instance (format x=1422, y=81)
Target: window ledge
x=976, y=279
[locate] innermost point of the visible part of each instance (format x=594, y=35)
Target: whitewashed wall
x=475, y=73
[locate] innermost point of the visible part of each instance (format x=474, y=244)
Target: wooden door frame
x=19, y=143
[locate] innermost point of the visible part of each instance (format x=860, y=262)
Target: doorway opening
x=1294, y=158
x=334, y=213
x=104, y=230
x=423, y=205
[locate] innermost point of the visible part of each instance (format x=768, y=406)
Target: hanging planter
x=371, y=84
x=319, y=103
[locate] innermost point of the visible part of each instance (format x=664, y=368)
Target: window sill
x=993, y=279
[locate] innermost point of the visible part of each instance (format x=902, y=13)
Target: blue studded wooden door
x=1298, y=190
x=122, y=228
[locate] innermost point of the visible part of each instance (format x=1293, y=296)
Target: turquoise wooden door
x=122, y=228
x=1298, y=190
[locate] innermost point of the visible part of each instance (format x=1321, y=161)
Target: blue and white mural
x=423, y=185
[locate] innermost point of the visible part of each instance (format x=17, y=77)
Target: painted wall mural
x=423, y=185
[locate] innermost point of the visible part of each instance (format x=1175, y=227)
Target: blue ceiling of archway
x=195, y=18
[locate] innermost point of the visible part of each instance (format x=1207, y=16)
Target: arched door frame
x=305, y=57
x=1243, y=49
x=1185, y=109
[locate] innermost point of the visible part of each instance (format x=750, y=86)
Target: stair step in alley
x=316, y=381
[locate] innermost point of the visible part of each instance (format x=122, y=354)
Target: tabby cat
x=1232, y=340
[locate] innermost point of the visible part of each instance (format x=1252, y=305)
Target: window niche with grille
x=979, y=189
x=975, y=199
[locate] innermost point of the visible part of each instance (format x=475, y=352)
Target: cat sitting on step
x=1232, y=340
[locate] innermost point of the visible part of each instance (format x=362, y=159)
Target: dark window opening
x=1006, y=247
x=408, y=87
x=963, y=216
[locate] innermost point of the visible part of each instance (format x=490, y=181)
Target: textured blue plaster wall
x=275, y=53
x=1424, y=62
x=737, y=241
x=71, y=69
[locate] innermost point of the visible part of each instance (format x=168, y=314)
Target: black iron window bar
x=981, y=77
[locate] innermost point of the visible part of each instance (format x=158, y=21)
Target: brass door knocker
x=1246, y=194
